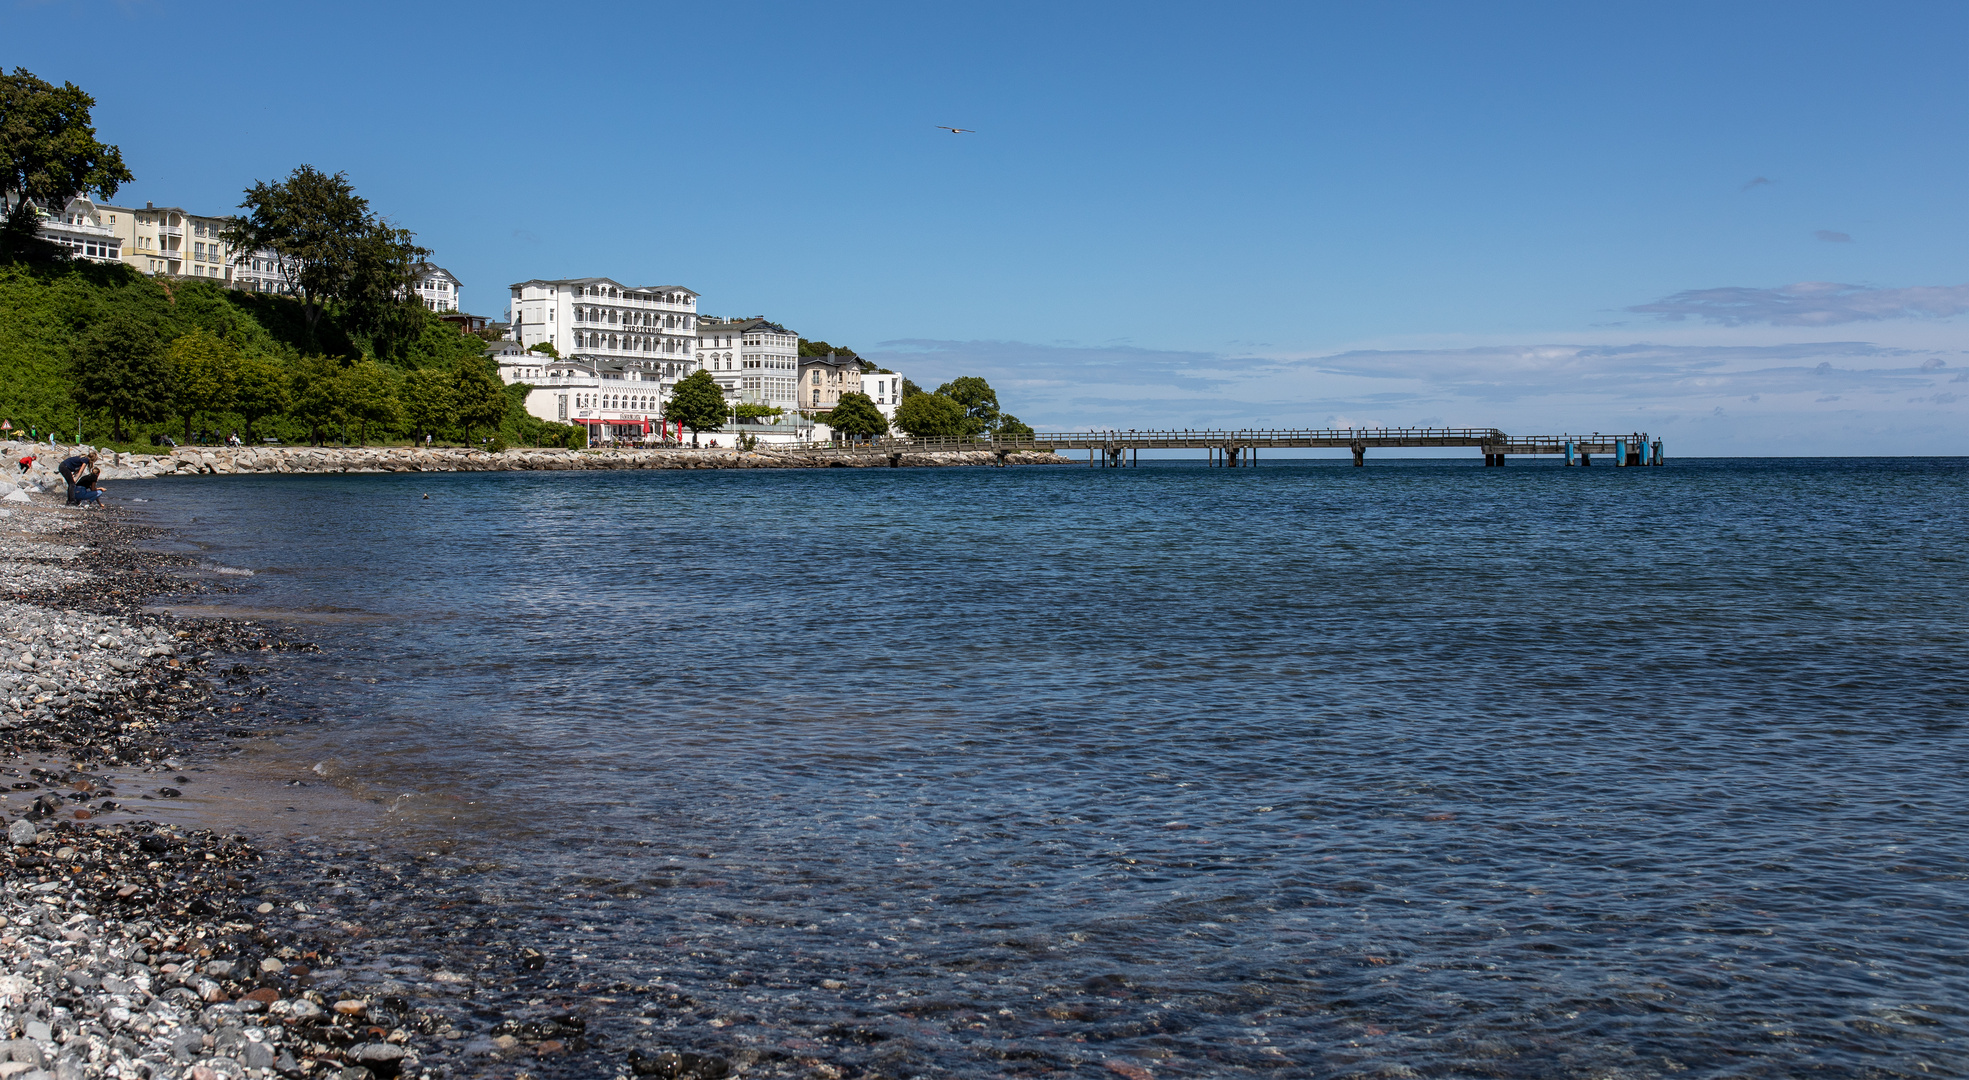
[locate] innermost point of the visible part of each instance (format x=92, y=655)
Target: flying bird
x=958, y=131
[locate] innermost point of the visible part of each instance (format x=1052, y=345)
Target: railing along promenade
x=1232, y=448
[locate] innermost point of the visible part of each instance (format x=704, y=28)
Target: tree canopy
x=857, y=417
x=119, y=370
x=332, y=248
x=822, y=348
x=980, y=403
x=932, y=416
x=204, y=375
x=697, y=403
x=49, y=154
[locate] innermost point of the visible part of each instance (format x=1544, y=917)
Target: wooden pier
x=1240, y=448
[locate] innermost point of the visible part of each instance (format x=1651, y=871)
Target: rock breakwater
x=190, y=461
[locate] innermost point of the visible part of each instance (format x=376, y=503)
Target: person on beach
x=71, y=468
x=27, y=463
x=88, y=491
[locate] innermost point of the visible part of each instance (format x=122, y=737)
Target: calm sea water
x=1421, y=768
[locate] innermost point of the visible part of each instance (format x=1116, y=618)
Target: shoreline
x=304, y=460
x=130, y=948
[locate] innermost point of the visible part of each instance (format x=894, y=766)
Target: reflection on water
x=1303, y=769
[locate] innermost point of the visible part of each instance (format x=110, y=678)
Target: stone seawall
x=307, y=459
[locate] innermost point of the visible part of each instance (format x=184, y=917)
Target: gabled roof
x=430, y=270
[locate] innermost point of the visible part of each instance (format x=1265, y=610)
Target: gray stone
x=38, y=1030
x=256, y=1056
x=22, y=831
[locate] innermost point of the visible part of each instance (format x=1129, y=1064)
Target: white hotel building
x=622, y=348
x=755, y=361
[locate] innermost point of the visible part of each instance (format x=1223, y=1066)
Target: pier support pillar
x=1360, y=454
x=1569, y=453
x=1585, y=459
x=1619, y=453
x=1657, y=452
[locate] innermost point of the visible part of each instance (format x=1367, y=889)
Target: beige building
x=170, y=240
x=823, y=379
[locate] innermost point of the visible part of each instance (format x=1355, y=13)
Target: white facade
x=754, y=361
x=438, y=289
x=622, y=350
x=600, y=318
x=86, y=230
x=884, y=388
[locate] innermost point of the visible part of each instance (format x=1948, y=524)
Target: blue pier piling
x=1569, y=452
x=1620, y=451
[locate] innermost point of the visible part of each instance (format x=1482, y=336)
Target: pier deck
x=1232, y=448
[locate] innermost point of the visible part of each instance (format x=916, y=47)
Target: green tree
x=381, y=304
x=697, y=403
x=1010, y=427
x=857, y=417
x=745, y=410
x=48, y=155
x=544, y=347
x=980, y=403
x=259, y=390
x=315, y=395
x=204, y=376
x=429, y=401
x=119, y=369
x=477, y=396
x=369, y=396
x=331, y=248
x=822, y=348
x=932, y=416
x=910, y=389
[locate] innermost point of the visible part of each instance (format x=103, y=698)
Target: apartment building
x=755, y=360
x=173, y=241
x=823, y=379
x=438, y=289
x=884, y=388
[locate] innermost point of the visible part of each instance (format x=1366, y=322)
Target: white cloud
x=1810, y=303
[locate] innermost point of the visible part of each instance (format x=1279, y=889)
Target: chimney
x=150, y=205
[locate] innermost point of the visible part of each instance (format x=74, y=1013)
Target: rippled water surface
x=1421, y=768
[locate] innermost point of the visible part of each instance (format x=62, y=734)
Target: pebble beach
x=138, y=950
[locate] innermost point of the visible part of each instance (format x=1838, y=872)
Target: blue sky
x=1740, y=226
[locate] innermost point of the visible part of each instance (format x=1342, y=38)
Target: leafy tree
x=259, y=390
x=48, y=155
x=369, y=396
x=478, y=396
x=315, y=395
x=1011, y=427
x=932, y=416
x=745, y=410
x=697, y=403
x=429, y=400
x=822, y=348
x=544, y=347
x=980, y=403
x=204, y=375
x=381, y=303
x=857, y=417
x=331, y=248
x=910, y=389
x=120, y=369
